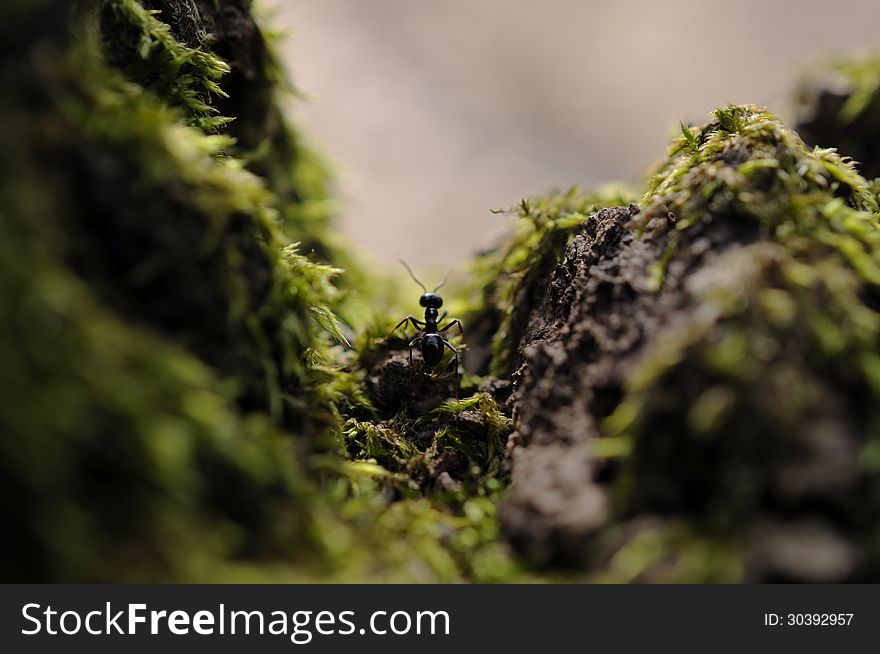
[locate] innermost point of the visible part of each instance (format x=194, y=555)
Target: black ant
x=431, y=340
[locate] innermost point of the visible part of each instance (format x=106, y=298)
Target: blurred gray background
x=435, y=112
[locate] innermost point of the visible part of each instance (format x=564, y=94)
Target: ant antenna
x=442, y=283
x=415, y=279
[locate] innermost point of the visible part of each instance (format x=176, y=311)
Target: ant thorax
x=431, y=317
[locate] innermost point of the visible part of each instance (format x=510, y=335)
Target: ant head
x=431, y=300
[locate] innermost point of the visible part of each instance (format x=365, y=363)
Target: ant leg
x=412, y=344
x=416, y=323
x=451, y=325
x=457, y=379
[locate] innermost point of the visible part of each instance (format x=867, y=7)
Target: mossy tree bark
x=173, y=371
x=158, y=330
x=685, y=376
x=698, y=379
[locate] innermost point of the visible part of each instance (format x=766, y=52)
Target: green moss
x=746, y=150
x=174, y=362
x=143, y=45
x=471, y=431
x=418, y=539
x=129, y=246
x=151, y=194
x=123, y=457
x=722, y=399
x=221, y=70
x=445, y=470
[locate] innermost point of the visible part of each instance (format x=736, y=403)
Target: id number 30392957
x=808, y=619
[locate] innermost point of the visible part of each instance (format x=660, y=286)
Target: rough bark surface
x=577, y=346
x=599, y=316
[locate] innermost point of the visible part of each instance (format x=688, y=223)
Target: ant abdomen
x=432, y=349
